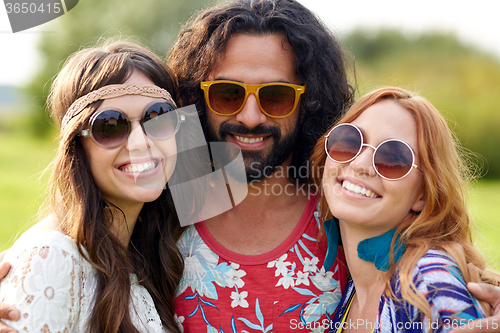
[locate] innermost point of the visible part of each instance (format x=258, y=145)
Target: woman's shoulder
x=437, y=263
x=30, y=241
x=48, y=281
x=40, y=241
x=435, y=259
x=439, y=277
x=438, y=267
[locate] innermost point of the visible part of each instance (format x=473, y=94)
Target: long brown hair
x=445, y=222
x=86, y=216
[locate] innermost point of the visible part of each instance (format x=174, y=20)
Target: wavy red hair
x=445, y=222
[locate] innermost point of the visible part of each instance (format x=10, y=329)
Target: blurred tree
x=462, y=81
x=155, y=23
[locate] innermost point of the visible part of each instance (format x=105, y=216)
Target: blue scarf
x=378, y=249
x=375, y=249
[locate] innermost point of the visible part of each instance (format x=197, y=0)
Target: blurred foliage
x=460, y=80
x=155, y=24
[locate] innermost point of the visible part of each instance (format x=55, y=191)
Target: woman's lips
x=141, y=170
x=358, y=189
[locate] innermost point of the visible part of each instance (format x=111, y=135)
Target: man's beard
x=258, y=163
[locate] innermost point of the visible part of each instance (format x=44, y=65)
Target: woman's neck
x=124, y=224
x=369, y=281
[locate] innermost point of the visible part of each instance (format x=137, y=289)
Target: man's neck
x=264, y=219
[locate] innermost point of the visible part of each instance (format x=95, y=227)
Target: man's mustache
x=241, y=129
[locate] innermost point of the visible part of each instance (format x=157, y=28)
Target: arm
x=444, y=287
x=6, y=311
x=43, y=285
x=491, y=295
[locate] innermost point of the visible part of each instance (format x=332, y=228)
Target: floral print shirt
x=287, y=289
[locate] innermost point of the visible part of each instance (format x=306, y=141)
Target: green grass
x=485, y=208
x=22, y=158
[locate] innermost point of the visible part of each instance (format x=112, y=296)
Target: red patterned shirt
x=284, y=290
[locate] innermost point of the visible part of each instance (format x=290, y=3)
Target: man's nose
x=251, y=116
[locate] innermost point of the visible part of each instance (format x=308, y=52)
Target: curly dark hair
x=319, y=59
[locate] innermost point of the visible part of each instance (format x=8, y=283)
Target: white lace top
x=53, y=287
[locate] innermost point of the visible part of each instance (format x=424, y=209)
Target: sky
x=474, y=22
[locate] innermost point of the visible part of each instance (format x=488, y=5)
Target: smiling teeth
x=135, y=168
x=248, y=140
x=358, y=189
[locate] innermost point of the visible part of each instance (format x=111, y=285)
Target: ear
x=419, y=204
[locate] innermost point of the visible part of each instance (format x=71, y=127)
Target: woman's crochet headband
x=112, y=91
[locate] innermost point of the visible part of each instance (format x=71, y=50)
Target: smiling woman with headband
x=112, y=265
x=394, y=182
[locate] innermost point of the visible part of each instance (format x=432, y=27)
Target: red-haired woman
x=393, y=180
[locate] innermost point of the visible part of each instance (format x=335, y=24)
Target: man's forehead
x=255, y=59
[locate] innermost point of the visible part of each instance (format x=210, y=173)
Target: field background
x=461, y=80
x=23, y=158
x=22, y=186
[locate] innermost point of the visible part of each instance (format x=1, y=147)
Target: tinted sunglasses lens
x=277, y=100
x=343, y=143
x=160, y=120
x=226, y=98
x=110, y=128
x=393, y=159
